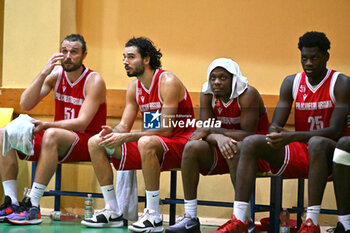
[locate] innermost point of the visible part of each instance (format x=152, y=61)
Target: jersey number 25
x=315, y=122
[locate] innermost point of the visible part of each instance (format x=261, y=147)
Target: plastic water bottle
x=59, y=216
x=284, y=223
x=25, y=192
x=89, y=207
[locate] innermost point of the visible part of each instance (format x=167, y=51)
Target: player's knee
x=316, y=140
x=251, y=145
x=148, y=145
x=50, y=137
x=344, y=143
x=191, y=150
x=319, y=147
x=93, y=144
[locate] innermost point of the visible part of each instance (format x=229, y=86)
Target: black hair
x=146, y=48
x=314, y=39
x=76, y=37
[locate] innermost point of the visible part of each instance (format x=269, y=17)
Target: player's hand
x=277, y=140
x=227, y=146
x=55, y=60
x=199, y=134
x=38, y=126
x=113, y=140
x=105, y=130
x=277, y=129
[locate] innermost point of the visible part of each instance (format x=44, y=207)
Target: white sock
x=36, y=193
x=240, y=209
x=110, y=198
x=10, y=189
x=345, y=220
x=152, y=199
x=191, y=207
x=313, y=212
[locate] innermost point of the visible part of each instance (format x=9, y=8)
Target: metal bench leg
x=275, y=203
x=58, y=187
x=172, y=208
x=252, y=202
x=300, y=201
x=33, y=173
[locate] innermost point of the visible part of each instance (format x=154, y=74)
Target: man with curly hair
x=322, y=101
x=161, y=94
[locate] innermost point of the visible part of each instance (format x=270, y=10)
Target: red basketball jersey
x=150, y=100
x=230, y=115
x=69, y=98
x=314, y=105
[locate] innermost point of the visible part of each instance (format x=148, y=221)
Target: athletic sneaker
x=340, y=228
x=233, y=226
x=104, y=218
x=7, y=208
x=150, y=221
x=309, y=227
x=26, y=214
x=186, y=225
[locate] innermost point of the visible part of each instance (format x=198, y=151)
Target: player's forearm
x=237, y=135
x=121, y=128
x=211, y=139
x=72, y=124
x=31, y=95
x=304, y=136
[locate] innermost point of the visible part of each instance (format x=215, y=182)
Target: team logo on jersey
x=151, y=120
x=64, y=88
x=217, y=103
x=219, y=110
x=139, y=91
x=142, y=98
x=304, y=96
x=302, y=88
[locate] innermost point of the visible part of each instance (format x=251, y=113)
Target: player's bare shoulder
x=170, y=83
x=96, y=87
x=289, y=79
x=250, y=91
x=96, y=81
x=170, y=79
x=133, y=86
x=287, y=85
x=250, y=97
x=343, y=79
x=342, y=86
x=131, y=91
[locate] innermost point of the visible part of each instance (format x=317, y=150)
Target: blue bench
x=274, y=207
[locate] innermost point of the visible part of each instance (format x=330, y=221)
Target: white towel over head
x=239, y=82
